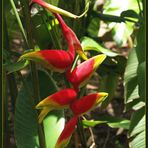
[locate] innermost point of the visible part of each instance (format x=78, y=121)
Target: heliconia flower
x=55, y=9
x=67, y=133
x=87, y=103
x=55, y=60
x=58, y=100
x=82, y=73
x=71, y=38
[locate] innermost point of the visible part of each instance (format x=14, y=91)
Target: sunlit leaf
x=112, y=122
x=137, y=129
x=90, y=44
x=121, y=31
x=130, y=78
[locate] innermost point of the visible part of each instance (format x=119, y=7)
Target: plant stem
x=80, y=125
x=81, y=133
x=10, y=77
x=19, y=20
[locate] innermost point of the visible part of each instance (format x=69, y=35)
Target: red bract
x=71, y=38
x=58, y=100
x=87, y=103
x=67, y=133
x=55, y=60
x=82, y=73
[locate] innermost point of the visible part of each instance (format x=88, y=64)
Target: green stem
x=19, y=20
x=10, y=77
x=80, y=124
x=75, y=62
x=5, y=133
x=81, y=133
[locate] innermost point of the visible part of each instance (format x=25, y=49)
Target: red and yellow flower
x=87, y=103
x=55, y=60
x=58, y=100
x=60, y=61
x=67, y=133
x=79, y=107
x=82, y=73
x=71, y=38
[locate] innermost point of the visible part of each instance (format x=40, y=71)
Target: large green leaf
x=113, y=122
x=141, y=81
x=121, y=31
x=141, y=46
x=26, y=124
x=90, y=44
x=130, y=78
x=137, y=129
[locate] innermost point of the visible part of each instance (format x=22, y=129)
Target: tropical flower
x=79, y=107
x=71, y=37
x=83, y=72
x=54, y=60
x=87, y=103
x=67, y=133
x=58, y=100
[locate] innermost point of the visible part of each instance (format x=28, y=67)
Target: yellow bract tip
x=99, y=59
x=101, y=97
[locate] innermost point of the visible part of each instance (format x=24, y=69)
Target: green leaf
x=130, y=78
x=112, y=122
x=129, y=13
x=141, y=81
x=16, y=66
x=90, y=44
x=121, y=31
x=141, y=45
x=26, y=124
x=137, y=129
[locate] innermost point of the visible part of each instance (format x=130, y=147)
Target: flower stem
x=81, y=133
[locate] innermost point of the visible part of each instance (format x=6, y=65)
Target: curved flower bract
x=82, y=73
x=67, y=133
x=58, y=100
x=87, y=103
x=55, y=60
x=71, y=38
